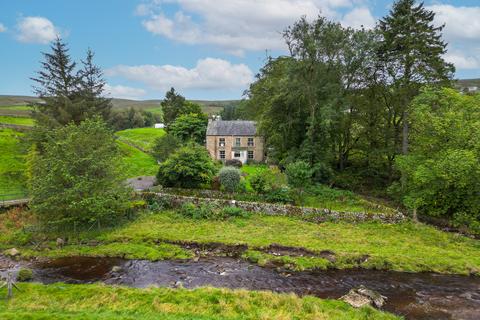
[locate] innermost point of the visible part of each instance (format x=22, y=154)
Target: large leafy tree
x=412, y=55
x=190, y=127
x=441, y=173
x=76, y=179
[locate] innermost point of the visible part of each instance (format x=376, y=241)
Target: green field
x=21, y=121
x=142, y=138
x=137, y=163
x=12, y=165
x=96, y=301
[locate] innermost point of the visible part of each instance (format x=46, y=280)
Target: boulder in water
x=361, y=296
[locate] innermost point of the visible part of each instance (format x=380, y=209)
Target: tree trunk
x=415, y=218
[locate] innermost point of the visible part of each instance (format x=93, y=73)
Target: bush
x=279, y=195
x=298, y=174
x=75, y=176
x=261, y=182
x=229, y=178
x=24, y=274
x=234, y=163
x=188, y=167
x=210, y=212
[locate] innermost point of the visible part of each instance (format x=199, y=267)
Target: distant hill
x=210, y=107
x=470, y=85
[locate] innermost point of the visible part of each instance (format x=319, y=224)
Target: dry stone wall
x=314, y=214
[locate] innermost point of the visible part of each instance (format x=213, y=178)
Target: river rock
x=117, y=269
x=60, y=242
x=361, y=296
x=11, y=252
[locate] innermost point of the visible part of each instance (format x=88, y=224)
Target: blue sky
x=207, y=49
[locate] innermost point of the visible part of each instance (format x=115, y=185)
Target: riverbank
x=277, y=241
x=96, y=301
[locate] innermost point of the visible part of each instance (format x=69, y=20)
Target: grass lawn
x=22, y=121
x=137, y=163
x=144, y=138
x=96, y=301
x=12, y=165
x=16, y=107
x=401, y=247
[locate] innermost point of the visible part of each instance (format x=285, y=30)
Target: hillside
x=14, y=105
x=472, y=84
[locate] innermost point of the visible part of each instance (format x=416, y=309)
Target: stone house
x=236, y=139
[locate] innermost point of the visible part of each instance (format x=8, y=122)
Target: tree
x=190, y=127
x=412, y=53
x=188, y=167
x=229, y=178
x=164, y=146
x=76, y=179
x=441, y=173
x=92, y=87
x=171, y=105
x=68, y=95
x=298, y=174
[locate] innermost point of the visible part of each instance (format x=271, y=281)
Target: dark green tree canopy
x=189, y=127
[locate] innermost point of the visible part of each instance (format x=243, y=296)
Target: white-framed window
x=221, y=142
x=222, y=154
x=238, y=142
x=236, y=154
x=250, y=142
x=250, y=154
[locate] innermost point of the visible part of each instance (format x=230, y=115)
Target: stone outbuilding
x=237, y=139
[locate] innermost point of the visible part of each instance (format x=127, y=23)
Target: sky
x=206, y=49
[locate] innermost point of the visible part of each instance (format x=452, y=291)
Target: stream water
x=413, y=295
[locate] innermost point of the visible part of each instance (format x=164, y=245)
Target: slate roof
x=231, y=128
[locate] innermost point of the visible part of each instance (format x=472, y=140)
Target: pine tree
x=92, y=86
x=412, y=53
x=171, y=105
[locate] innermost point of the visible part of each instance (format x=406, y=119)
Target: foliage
x=68, y=95
x=133, y=118
x=279, y=195
x=175, y=105
x=298, y=174
x=211, y=212
x=142, y=138
x=441, y=174
x=189, y=127
x=164, y=146
x=229, y=178
x=97, y=301
x=76, y=179
x=188, y=167
x=234, y=163
x=260, y=181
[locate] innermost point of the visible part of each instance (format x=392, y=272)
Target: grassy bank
x=401, y=247
x=143, y=138
x=12, y=164
x=63, y=301
x=21, y=121
x=137, y=163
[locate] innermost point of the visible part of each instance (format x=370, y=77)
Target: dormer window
x=221, y=142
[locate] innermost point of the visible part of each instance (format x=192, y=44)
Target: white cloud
x=123, y=92
x=2, y=28
x=208, y=73
x=462, y=61
x=460, y=22
x=358, y=18
x=36, y=30
x=240, y=25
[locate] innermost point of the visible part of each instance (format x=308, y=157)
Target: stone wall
x=314, y=214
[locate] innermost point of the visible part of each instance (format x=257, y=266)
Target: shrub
x=229, y=178
x=234, y=163
x=299, y=174
x=188, y=167
x=24, y=274
x=279, y=195
x=261, y=182
x=211, y=212
x=75, y=176
x=234, y=212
